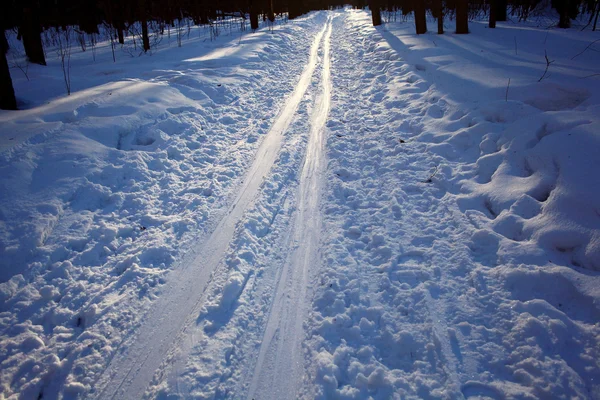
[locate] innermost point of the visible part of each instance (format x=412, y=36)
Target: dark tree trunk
x=375, y=12
x=4, y=45
x=501, y=10
x=32, y=40
x=492, y=22
x=596, y=18
x=439, y=10
x=294, y=9
x=462, y=16
x=7, y=93
x=420, y=20
x=145, y=37
x=143, y=10
x=253, y=16
x=271, y=15
x=120, y=35
x=563, y=10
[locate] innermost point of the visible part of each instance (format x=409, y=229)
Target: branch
x=589, y=76
x=548, y=62
x=583, y=51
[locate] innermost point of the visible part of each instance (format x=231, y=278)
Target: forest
x=63, y=22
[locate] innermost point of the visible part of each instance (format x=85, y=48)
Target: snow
x=462, y=282
x=330, y=210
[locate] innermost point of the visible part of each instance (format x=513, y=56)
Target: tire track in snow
x=131, y=371
x=279, y=366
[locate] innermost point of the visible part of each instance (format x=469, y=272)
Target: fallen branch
x=548, y=62
x=589, y=76
x=507, y=86
x=584, y=50
x=430, y=179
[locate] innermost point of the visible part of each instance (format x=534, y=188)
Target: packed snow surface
x=321, y=210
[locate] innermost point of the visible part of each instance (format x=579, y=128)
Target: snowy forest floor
x=328, y=210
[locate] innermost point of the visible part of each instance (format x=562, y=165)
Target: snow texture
x=329, y=211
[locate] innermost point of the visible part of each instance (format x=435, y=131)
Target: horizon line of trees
x=496, y=11
x=31, y=18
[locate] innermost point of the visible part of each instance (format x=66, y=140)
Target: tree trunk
x=253, y=16
x=492, y=22
x=120, y=35
x=4, y=43
x=462, y=16
x=143, y=12
x=294, y=9
x=500, y=10
x=420, y=20
x=271, y=15
x=563, y=10
x=596, y=18
x=145, y=37
x=32, y=40
x=439, y=10
x=375, y=12
x=7, y=92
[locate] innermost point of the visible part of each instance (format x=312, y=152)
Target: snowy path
x=277, y=376
x=165, y=328
x=129, y=374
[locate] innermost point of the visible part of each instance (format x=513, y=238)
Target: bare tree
x=64, y=39
x=22, y=63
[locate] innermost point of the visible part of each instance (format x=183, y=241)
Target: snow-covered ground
x=330, y=210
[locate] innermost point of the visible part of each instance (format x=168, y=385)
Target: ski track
x=277, y=378
x=129, y=373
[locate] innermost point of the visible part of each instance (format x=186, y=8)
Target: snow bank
x=463, y=222
x=102, y=192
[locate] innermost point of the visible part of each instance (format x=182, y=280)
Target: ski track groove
x=279, y=378
x=130, y=372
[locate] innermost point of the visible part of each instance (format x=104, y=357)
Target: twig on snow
x=548, y=62
x=507, y=86
x=584, y=50
x=435, y=171
x=589, y=76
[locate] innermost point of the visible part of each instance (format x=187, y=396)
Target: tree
x=253, y=15
x=500, y=8
x=420, y=20
x=439, y=15
x=462, y=16
x=375, y=12
x=563, y=7
x=7, y=92
x=144, y=22
x=492, y=21
x=271, y=15
x=31, y=31
x=295, y=8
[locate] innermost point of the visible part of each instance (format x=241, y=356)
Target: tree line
x=495, y=10
x=30, y=18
